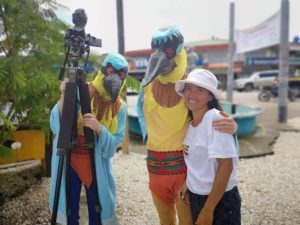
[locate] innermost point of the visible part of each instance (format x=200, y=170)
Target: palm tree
x=31, y=41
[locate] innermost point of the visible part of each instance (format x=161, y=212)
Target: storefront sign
x=255, y=61
x=262, y=61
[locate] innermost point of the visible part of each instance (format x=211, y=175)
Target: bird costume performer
x=164, y=119
x=108, y=121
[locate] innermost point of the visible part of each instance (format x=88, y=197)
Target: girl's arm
x=106, y=141
x=182, y=194
x=223, y=173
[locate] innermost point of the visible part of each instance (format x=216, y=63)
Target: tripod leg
x=89, y=137
x=57, y=189
x=67, y=117
x=64, y=144
x=68, y=156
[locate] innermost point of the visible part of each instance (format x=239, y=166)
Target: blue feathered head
x=169, y=40
x=117, y=61
x=114, y=69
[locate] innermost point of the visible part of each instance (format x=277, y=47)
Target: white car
x=256, y=80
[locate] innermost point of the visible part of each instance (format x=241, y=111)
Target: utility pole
x=230, y=54
x=284, y=61
x=121, y=48
x=120, y=21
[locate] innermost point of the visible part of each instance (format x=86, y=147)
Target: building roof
x=141, y=52
x=204, y=45
x=213, y=41
x=213, y=44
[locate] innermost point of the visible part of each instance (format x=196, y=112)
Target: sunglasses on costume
x=109, y=69
x=170, y=52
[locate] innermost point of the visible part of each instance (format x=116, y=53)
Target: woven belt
x=166, y=163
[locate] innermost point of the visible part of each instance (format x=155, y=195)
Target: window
x=267, y=75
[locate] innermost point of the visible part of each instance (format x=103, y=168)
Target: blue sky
x=197, y=19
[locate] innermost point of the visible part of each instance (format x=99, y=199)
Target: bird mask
x=114, y=69
x=166, y=44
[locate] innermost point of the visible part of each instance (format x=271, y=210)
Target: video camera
x=77, y=42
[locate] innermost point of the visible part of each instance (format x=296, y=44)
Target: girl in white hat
x=210, y=155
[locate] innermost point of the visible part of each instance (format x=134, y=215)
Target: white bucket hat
x=201, y=78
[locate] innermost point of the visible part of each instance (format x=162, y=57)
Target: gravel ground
x=269, y=187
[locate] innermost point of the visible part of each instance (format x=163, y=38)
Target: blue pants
x=75, y=189
x=227, y=212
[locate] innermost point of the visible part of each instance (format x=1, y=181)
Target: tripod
x=67, y=138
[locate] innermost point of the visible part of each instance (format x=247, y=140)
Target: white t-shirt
x=204, y=145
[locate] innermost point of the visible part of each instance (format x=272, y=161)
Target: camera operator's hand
x=62, y=88
x=89, y=120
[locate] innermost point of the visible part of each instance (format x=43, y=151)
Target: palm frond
x=132, y=84
x=4, y=121
x=5, y=152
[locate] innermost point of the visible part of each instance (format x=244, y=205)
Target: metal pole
x=284, y=59
x=120, y=21
x=121, y=45
x=230, y=54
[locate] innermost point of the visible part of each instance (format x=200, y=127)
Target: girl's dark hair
x=212, y=104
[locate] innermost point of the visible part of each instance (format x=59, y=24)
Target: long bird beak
x=158, y=64
x=113, y=85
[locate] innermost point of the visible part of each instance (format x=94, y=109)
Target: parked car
x=256, y=80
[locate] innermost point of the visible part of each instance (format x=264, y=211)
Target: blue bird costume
x=110, y=111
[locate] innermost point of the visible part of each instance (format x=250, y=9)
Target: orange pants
x=164, y=190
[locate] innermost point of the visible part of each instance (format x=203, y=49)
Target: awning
x=222, y=68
